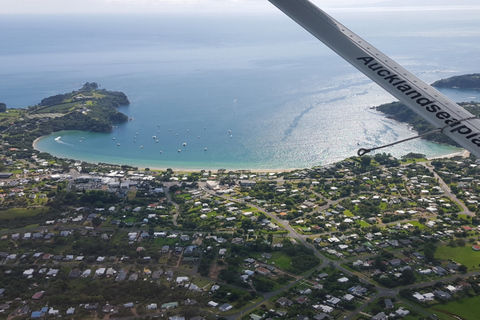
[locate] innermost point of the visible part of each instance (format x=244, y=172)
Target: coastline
x=462, y=153
x=34, y=144
x=175, y=169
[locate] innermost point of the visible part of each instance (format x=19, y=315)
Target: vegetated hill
x=400, y=112
x=86, y=109
x=467, y=81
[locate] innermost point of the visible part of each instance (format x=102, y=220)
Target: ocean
x=234, y=92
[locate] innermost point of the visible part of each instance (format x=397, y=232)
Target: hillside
x=86, y=109
x=400, y=112
x=467, y=81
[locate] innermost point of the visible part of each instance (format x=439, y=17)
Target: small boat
x=141, y=147
x=118, y=144
x=205, y=149
x=179, y=150
x=160, y=151
x=184, y=144
x=154, y=137
x=156, y=141
x=113, y=138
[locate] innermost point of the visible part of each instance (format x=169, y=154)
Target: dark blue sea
x=234, y=92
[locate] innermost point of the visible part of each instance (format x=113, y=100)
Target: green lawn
x=348, y=213
x=417, y=224
x=19, y=212
x=280, y=259
x=464, y=255
x=467, y=308
x=363, y=224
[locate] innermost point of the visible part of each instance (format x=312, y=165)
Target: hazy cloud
x=230, y=6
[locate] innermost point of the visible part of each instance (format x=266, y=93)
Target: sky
x=215, y=6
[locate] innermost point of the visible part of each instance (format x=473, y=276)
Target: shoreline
x=34, y=145
x=463, y=153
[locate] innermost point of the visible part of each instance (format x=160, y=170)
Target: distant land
x=398, y=111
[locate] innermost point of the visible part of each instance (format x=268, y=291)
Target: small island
x=398, y=111
x=87, y=109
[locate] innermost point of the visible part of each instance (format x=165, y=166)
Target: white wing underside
x=457, y=123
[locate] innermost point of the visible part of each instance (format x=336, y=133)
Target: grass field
x=281, y=260
x=363, y=224
x=11, y=113
x=417, y=224
x=348, y=213
x=467, y=308
x=464, y=255
x=19, y=212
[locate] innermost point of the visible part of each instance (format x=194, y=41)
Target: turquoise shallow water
x=257, y=92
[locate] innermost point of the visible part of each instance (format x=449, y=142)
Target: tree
x=429, y=251
x=408, y=277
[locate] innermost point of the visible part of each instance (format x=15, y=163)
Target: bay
x=257, y=91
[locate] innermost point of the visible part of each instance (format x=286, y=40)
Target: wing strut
x=441, y=112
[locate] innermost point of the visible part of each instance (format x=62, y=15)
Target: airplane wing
x=454, y=121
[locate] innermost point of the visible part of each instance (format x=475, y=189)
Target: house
x=358, y=290
x=225, y=307
x=380, y=316
x=38, y=295
x=169, y=305
x=301, y=299
x=402, y=312
x=348, y=297
x=91, y=306
x=333, y=301
x=324, y=308
x=388, y=304
x=108, y=308
x=442, y=295
x=342, y=280
x=284, y=302
x=181, y=280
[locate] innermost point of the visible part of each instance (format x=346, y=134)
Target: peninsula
x=398, y=111
x=87, y=109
